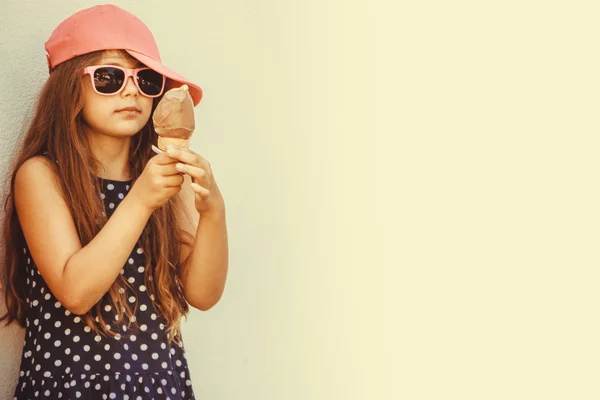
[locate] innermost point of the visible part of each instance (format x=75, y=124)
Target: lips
x=130, y=109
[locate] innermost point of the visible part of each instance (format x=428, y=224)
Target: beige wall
x=412, y=190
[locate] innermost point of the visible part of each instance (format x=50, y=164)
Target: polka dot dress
x=63, y=358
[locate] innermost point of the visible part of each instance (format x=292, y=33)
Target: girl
x=107, y=243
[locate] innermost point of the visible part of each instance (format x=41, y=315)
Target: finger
x=173, y=180
x=169, y=169
x=194, y=172
x=163, y=159
x=200, y=190
x=186, y=156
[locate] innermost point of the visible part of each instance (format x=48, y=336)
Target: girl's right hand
x=159, y=181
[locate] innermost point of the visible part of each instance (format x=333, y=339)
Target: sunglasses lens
x=108, y=79
x=150, y=82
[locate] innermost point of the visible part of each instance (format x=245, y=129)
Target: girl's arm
x=77, y=276
x=205, y=253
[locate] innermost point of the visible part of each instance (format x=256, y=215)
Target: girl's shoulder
x=38, y=170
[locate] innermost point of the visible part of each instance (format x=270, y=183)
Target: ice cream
x=173, y=118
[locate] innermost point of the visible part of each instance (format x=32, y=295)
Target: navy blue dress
x=63, y=359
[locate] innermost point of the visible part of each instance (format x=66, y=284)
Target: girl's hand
x=159, y=181
x=208, y=199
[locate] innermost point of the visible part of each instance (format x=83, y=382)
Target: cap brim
x=174, y=79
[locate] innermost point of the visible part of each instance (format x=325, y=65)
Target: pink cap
x=106, y=27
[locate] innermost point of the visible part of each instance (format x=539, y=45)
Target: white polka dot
x=97, y=357
x=154, y=356
x=133, y=338
x=164, y=365
x=153, y=316
x=142, y=288
x=110, y=186
x=130, y=261
x=132, y=299
x=107, y=366
x=121, y=195
x=67, y=331
x=35, y=303
x=57, y=343
x=97, y=338
x=140, y=250
x=145, y=366
x=143, y=307
x=102, y=196
x=86, y=367
x=87, y=329
x=76, y=339
x=141, y=269
x=57, y=324
x=97, y=387
x=144, y=347
x=76, y=358
x=47, y=335
x=178, y=362
x=122, y=272
x=111, y=205
x=57, y=363
x=154, y=336
x=131, y=279
x=107, y=307
x=76, y=320
x=67, y=313
x=67, y=351
x=143, y=327
x=86, y=348
x=117, y=356
x=134, y=357
x=47, y=296
x=188, y=383
x=107, y=347
x=47, y=355
x=127, y=366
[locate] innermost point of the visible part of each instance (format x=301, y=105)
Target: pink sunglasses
x=108, y=80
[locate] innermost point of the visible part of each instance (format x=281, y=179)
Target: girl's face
x=101, y=113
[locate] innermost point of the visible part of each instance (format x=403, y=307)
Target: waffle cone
x=163, y=142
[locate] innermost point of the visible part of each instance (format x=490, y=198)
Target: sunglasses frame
x=128, y=72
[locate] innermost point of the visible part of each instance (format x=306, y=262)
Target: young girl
x=105, y=242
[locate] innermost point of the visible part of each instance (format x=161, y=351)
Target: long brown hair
x=57, y=130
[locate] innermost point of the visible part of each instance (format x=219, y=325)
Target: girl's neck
x=113, y=154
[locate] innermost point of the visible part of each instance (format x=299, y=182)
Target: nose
x=130, y=88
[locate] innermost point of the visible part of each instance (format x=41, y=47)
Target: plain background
x=412, y=194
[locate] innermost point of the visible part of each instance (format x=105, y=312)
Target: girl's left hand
x=208, y=198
